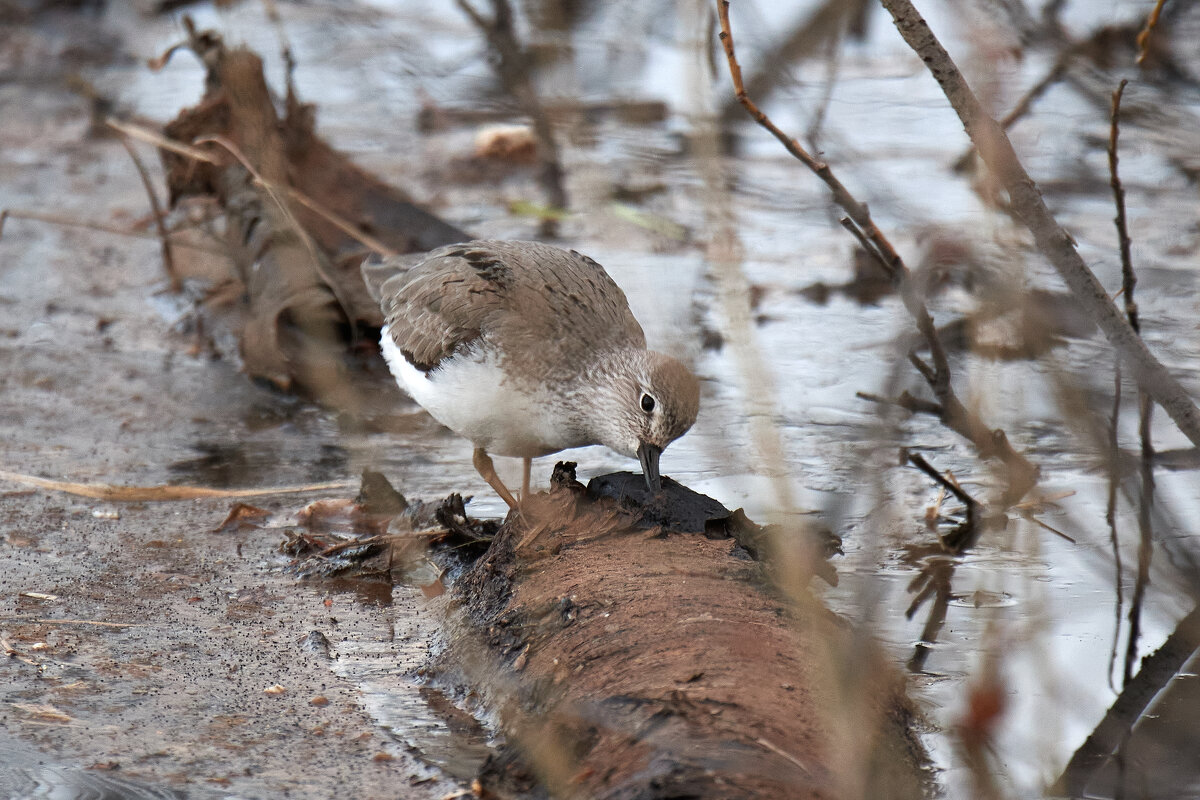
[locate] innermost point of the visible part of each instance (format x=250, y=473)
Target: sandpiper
x=527, y=349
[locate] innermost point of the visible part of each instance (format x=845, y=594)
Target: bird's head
x=651, y=400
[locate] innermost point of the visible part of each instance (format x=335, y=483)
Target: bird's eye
x=647, y=403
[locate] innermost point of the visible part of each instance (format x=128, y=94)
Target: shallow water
x=1042, y=608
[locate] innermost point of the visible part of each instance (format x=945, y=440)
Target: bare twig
x=989, y=443
x=824, y=26
x=1128, y=278
x=160, y=222
x=1145, y=404
x=857, y=211
x=162, y=142
x=906, y=401
x=139, y=494
x=1029, y=206
x=341, y=223
x=1128, y=281
x=918, y=461
x=1143, y=38
x=71, y=222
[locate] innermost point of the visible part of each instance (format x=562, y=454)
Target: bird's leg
x=525, y=479
x=484, y=466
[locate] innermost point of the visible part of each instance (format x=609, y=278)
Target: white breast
x=471, y=396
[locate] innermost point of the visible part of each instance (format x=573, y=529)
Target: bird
x=527, y=349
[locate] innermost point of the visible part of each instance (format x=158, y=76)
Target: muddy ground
x=142, y=645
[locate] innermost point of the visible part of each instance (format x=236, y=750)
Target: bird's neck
x=603, y=397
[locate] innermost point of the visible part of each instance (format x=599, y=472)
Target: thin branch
x=906, y=401
x=918, y=461
x=159, y=217
x=1145, y=404
x=1143, y=38
x=1021, y=474
x=824, y=26
x=1128, y=278
x=857, y=211
x=1030, y=207
x=162, y=142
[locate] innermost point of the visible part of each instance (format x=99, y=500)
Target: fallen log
x=630, y=662
x=295, y=215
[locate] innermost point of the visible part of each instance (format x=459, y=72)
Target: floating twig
x=165, y=493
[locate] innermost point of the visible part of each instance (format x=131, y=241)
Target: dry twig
x=160, y=222
x=1020, y=473
x=141, y=494
x=1145, y=405
x=1027, y=203
x=1143, y=38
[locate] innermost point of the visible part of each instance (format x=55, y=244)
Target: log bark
x=625, y=662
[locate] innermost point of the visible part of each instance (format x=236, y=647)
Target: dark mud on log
x=630, y=662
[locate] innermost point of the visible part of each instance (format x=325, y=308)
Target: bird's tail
x=377, y=271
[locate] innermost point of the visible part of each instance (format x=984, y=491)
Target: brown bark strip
x=1055, y=243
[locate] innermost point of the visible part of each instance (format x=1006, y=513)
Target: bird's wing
x=526, y=294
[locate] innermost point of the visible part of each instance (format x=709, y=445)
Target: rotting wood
x=296, y=215
x=631, y=663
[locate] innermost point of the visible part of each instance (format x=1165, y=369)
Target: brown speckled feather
x=526, y=297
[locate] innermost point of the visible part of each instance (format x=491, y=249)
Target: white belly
x=470, y=396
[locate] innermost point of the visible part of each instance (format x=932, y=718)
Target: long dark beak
x=648, y=454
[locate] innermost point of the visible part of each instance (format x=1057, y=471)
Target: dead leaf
x=243, y=516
